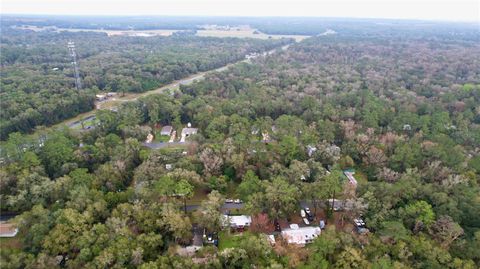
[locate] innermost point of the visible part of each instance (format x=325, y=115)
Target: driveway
x=197, y=236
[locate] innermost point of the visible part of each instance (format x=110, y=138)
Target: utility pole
x=73, y=54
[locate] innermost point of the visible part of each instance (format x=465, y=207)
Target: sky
x=445, y=10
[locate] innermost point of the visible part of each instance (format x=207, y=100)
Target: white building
x=186, y=132
x=300, y=235
x=237, y=222
x=101, y=97
x=351, y=178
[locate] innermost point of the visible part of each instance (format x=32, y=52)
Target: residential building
x=238, y=222
x=8, y=230
x=166, y=130
x=300, y=235
x=186, y=132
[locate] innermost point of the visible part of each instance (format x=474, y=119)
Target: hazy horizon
x=447, y=10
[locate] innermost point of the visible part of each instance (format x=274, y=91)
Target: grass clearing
x=246, y=33
x=226, y=239
x=160, y=138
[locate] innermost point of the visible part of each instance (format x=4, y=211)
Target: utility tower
x=73, y=54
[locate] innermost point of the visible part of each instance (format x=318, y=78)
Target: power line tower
x=73, y=54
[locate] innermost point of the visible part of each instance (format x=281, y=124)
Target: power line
x=73, y=54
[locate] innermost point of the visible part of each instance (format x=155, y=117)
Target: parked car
x=310, y=216
x=305, y=220
x=361, y=226
x=238, y=201
x=228, y=201
x=277, y=226
x=211, y=238
x=307, y=210
x=303, y=214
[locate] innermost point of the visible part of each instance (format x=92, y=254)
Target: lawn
x=231, y=240
x=160, y=138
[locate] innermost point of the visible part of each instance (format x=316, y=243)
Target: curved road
x=113, y=102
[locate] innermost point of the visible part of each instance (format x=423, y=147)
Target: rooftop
x=189, y=131
x=349, y=175
x=239, y=221
x=8, y=230
x=301, y=235
x=166, y=129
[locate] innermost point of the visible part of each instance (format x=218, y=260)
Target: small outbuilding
x=166, y=130
x=101, y=97
x=349, y=174
x=149, y=138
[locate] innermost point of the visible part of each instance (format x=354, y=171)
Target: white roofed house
x=8, y=230
x=186, y=132
x=300, y=235
x=166, y=130
x=237, y=222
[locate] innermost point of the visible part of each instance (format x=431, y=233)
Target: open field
x=244, y=33
x=240, y=32
x=140, y=33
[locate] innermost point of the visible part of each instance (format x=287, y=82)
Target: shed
x=100, y=97
x=351, y=178
x=166, y=130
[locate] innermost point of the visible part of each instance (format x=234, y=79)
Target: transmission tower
x=73, y=54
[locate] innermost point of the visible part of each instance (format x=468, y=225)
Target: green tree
x=289, y=149
x=178, y=224
x=250, y=185
x=417, y=215
x=332, y=186
x=209, y=214
x=279, y=200
x=184, y=190
x=57, y=151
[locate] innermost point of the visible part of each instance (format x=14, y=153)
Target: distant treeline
x=268, y=25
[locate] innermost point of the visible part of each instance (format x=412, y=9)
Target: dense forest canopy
x=37, y=84
x=402, y=111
